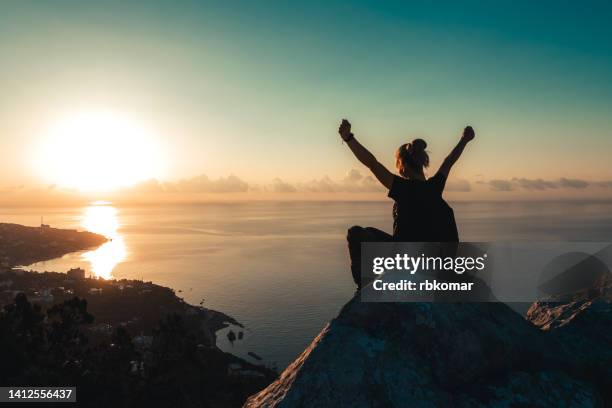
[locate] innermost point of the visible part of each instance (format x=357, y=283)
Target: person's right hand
x=345, y=130
x=468, y=134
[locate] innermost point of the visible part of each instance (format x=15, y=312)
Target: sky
x=236, y=94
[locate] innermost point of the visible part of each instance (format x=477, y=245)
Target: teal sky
x=257, y=88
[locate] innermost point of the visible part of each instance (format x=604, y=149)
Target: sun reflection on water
x=102, y=219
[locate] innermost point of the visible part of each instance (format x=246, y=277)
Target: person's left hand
x=345, y=130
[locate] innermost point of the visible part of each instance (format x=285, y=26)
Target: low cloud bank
x=541, y=184
x=194, y=185
x=355, y=181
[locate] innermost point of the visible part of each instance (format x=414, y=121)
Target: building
x=76, y=273
x=43, y=225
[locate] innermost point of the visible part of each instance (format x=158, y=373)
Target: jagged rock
x=582, y=329
x=430, y=355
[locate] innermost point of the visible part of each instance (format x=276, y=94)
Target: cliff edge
x=451, y=355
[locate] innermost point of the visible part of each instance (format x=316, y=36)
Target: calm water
x=281, y=268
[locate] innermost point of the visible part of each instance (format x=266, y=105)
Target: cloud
x=323, y=185
x=198, y=184
x=573, y=183
x=501, y=185
x=353, y=176
x=458, y=185
x=353, y=182
x=203, y=184
x=149, y=186
x=12, y=188
x=536, y=184
x=279, y=186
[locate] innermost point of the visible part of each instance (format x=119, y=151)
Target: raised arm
x=468, y=135
x=364, y=156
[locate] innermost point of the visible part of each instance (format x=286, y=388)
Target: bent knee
x=354, y=232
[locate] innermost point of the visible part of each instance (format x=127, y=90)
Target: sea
x=279, y=268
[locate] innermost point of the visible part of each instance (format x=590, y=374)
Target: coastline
x=23, y=245
x=141, y=309
x=132, y=304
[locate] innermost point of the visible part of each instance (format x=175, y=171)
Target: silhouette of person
x=420, y=214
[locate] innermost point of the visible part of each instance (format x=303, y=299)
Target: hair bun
x=412, y=156
x=418, y=145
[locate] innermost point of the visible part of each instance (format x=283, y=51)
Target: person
x=420, y=213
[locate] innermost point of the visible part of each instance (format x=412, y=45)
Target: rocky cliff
x=582, y=329
x=454, y=354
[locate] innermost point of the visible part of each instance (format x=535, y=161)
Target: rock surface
x=582, y=328
x=451, y=355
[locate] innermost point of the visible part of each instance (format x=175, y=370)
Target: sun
x=98, y=151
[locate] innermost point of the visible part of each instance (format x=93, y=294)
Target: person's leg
x=355, y=236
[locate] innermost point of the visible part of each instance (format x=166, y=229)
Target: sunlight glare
x=102, y=219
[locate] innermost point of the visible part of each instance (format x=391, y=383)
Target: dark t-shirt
x=420, y=214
